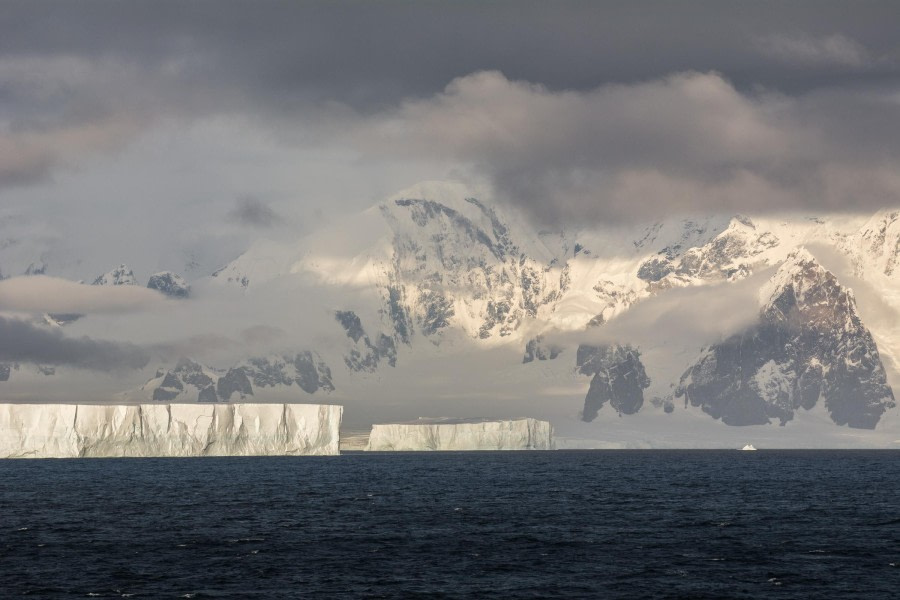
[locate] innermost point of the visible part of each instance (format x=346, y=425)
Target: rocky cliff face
x=809, y=346
x=170, y=284
x=728, y=254
x=619, y=378
x=455, y=263
x=364, y=354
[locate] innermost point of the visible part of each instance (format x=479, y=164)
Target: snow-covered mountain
x=121, y=275
x=189, y=381
x=170, y=284
x=426, y=281
x=809, y=346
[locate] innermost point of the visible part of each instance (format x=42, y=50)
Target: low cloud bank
x=21, y=341
x=42, y=294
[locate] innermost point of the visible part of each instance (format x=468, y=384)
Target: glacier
x=108, y=430
x=462, y=434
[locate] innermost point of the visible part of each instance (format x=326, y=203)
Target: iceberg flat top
x=106, y=430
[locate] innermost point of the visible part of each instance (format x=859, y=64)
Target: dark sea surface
x=578, y=524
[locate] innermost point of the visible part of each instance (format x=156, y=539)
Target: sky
x=218, y=113
x=170, y=135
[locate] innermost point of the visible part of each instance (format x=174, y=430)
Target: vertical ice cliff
x=462, y=434
x=86, y=430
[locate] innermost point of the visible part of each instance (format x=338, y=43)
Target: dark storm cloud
x=689, y=142
x=367, y=53
x=253, y=212
x=21, y=341
x=636, y=106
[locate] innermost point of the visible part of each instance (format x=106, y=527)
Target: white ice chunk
x=460, y=434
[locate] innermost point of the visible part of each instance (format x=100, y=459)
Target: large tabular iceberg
x=462, y=434
x=88, y=430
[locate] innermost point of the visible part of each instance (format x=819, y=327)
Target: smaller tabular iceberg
x=462, y=434
x=87, y=430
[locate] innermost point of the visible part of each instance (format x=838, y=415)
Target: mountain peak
x=449, y=193
x=800, y=270
x=170, y=284
x=121, y=275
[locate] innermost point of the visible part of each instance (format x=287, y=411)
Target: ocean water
x=565, y=524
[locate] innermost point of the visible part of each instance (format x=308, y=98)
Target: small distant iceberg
x=448, y=434
x=749, y=447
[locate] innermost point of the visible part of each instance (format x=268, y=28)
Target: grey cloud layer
x=605, y=111
x=41, y=294
x=251, y=211
x=690, y=142
x=21, y=341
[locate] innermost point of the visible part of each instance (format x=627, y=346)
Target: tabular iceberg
x=462, y=434
x=87, y=430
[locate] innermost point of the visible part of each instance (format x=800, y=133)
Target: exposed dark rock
x=269, y=373
x=438, y=312
x=312, y=373
x=809, y=344
x=121, y=275
x=192, y=373
x=351, y=324
x=305, y=369
x=234, y=381
x=169, y=284
x=208, y=394
x=619, y=378
x=169, y=389
x=399, y=314
x=536, y=349
x=496, y=314
x=655, y=269
x=365, y=356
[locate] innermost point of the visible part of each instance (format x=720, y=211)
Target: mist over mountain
x=437, y=297
x=683, y=236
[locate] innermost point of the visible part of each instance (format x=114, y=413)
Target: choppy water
x=611, y=524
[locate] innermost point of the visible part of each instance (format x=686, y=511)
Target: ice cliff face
x=70, y=430
x=453, y=434
x=189, y=381
x=809, y=346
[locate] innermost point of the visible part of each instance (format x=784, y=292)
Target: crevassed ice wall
x=87, y=430
x=515, y=434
